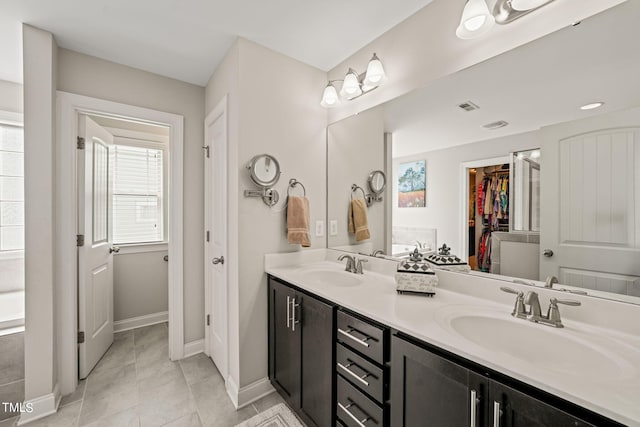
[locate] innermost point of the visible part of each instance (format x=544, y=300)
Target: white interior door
x=95, y=260
x=216, y=237
x=590, y=203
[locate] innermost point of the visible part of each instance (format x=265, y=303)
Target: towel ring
x=292, y=184
x=354, y=188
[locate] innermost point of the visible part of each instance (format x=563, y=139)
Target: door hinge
x=206, y=149
x=207, y=235
x=208, y=319
x=80, y=143
x=80, y=337
x=79, y=240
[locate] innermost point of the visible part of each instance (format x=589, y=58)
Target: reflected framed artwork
x=412, y=184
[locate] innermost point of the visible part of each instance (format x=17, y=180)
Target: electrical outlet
x=333, y=227
x=319, y=228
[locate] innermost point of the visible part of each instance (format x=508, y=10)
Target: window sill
x=142, y=247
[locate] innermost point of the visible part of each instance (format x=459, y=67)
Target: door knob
x=548, y=253
x=219, y=260
x=114, y=250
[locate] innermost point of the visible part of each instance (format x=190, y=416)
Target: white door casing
x=590, y=202
x=95, y=260
x=216, y=280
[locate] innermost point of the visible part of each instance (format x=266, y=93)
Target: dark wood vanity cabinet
x=428, y=389
x=301, y=355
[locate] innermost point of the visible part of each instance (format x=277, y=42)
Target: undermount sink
x=557, y=350
x=332, y=277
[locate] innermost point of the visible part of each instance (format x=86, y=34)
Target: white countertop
x=615, y=395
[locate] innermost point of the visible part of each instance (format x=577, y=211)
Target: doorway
x=70, y=109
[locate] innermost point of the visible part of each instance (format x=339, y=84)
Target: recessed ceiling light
x=496, y=125
x=592, y=106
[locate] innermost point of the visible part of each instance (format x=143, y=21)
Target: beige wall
x=139, y=284
x=424, y=47
x=39, y=56
x=11, y=97
x=90, y=76
x=274, y=108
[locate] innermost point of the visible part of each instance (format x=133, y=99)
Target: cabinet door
x=317, y=359
x=427, y=389
x=511, y=408
x=284, y=343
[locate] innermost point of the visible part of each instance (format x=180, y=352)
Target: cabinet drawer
x=365, y=375
x=361, y=336
x=355, y=409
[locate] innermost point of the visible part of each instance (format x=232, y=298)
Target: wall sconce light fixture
x=354, y=84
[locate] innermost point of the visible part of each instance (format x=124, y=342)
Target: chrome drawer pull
x=497, y=413
x=353, y=374
x=356, y=339
x=353, y=417
x=474, y=408
x=288, y=310
x=294, y=322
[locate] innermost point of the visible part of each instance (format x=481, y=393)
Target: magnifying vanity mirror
x=264, y=171
x=551, y=192
x=377, y=182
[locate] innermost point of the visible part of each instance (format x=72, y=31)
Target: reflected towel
x=358, y=223
x=298, y=221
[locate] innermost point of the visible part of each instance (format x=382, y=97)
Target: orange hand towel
x=298, y=221
x=358, y=223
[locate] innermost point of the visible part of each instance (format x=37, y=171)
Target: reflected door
x=590, y=208
x=95, y=260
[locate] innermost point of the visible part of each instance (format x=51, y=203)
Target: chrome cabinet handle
x=356, y=339
x=353, y=374
x=114, y=249
x=474, y=408
x=353, y=417
x=497, y=413
x=219, y=260
x=293, y=314
x=288, y=311
x=548, y=253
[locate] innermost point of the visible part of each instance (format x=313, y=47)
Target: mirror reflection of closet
x=526, y=191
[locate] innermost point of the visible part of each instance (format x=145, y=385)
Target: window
x=11, y=188
x=137, y=195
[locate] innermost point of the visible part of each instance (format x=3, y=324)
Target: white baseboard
x=41, y=407
x=194, y=347
x=140, y=321
x=248, y=394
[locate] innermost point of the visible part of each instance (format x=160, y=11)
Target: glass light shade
x=351, y=85
x=330, y=97
x=527, y=4
x=475, y=21
x=375, y=75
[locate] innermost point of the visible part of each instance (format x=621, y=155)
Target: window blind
x=11, y=188
x=137, y=195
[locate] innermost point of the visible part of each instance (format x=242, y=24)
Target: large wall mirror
x=501, y=163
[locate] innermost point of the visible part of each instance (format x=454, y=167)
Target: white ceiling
x=187, y=39
x=541, y=83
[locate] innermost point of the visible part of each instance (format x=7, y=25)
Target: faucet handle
x=359, y=265
x=553, y=315
x=555, y=301
x=519, y=310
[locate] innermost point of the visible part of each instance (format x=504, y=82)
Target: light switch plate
x=333, y=227
x=319, y=228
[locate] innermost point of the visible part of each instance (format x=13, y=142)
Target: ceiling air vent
x=468, y=106
x=495, y=125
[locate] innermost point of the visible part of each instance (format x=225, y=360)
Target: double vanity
x=346, y=349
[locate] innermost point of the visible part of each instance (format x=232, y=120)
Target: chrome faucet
x=534, y=314
x=550, y=281
x=351, y=263
x=377, y=252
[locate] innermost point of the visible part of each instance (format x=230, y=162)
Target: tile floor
x=135, y=384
